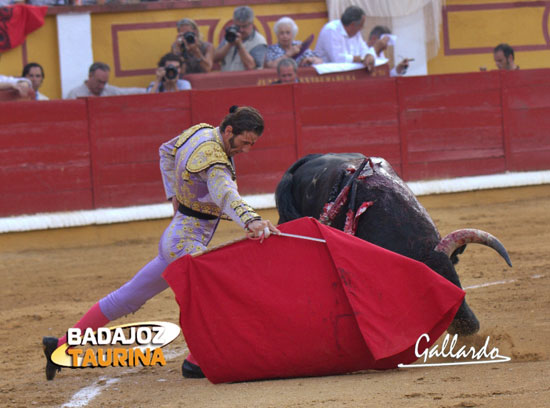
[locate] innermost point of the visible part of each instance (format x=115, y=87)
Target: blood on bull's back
x=365, y=196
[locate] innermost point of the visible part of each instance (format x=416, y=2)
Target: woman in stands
x=198, y=54
x=285, y=30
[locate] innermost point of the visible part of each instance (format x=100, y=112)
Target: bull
x=395, y=220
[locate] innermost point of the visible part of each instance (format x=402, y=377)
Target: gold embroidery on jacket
x=245, y=212
x=206, y=155
x=188, y=133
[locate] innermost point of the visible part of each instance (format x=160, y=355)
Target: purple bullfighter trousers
x=185, y=235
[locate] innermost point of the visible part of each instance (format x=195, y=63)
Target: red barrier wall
x=349, y=117
x=526, y=119
x=125, y=135
x=451, y=125
x=103, y=152
x=260, y=170
x=44, y=156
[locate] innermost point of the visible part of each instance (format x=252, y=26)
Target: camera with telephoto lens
x=171, y=72
x=231, y=33
x=189, y=37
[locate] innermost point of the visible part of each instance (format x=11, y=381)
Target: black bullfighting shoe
x=190, y=370
x=50, y=344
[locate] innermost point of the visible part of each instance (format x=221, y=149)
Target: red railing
x=103, y=152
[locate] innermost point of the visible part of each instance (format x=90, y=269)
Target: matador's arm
x=168, y=167
x=224, y=193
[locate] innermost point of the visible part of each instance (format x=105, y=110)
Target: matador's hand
x=261, y=229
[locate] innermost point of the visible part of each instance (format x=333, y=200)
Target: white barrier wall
x=74, y=38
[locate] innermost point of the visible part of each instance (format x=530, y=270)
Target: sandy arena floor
x=49, y=278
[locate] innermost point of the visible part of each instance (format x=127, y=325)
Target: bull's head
x=465, y=321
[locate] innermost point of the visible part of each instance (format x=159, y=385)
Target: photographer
x=243, y=48
x=198, y=55
x=168, y=73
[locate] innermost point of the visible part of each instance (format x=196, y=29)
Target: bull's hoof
x=190, y=370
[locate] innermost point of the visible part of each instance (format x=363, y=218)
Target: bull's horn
x=462, y=237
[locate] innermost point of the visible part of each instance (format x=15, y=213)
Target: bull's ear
x=454, y=255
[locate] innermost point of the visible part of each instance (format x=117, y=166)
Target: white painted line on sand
x=484, y=285
x=501, y=282
x=85, y=395
x=82, y=397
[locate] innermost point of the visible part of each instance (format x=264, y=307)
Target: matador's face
x=241, y=143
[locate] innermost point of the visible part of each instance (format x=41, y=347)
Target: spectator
x=287, y=71
x=198, y=55
x=285, y=30
x=341, y=41
x=378, y=42
x=21, y=87
x=96, y=85
x=503, y=55
x=168, y=75
x=243, y=48
x=35, y=73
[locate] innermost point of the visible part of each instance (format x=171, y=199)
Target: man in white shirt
x=96, y=85
x=341, y=40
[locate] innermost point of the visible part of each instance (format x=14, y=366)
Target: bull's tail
x=284, y=198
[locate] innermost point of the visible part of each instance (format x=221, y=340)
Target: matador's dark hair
x=242, y=119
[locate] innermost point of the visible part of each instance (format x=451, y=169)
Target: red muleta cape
x=291, y=308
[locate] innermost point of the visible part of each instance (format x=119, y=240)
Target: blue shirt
x=182, y=85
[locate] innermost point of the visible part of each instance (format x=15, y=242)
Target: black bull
x=396, y=220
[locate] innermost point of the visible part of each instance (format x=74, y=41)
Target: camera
x=189, y=37
x=171, y=72
x=231, y=33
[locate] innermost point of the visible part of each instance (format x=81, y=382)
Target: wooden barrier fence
x=103, y=152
